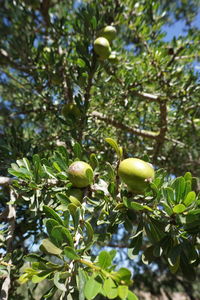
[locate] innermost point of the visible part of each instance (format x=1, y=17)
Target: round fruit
x=71, y=110
x=136, y=173
x=75, y=196
x=102, y=47
x=109, y=32
x=80, y=174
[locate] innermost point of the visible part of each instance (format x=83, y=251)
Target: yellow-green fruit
x=80, y=174
x=75, y=196
x=71, y=110
x=102, y=47
x=109, y=32
x=136, y=173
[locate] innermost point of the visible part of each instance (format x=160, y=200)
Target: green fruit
x=109, y=32
x=75, y=196
x=102, y=47
x=80, y=174
x=136, y=173
x=113, y=58
x=71, y=110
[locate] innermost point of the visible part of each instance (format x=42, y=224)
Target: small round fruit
x=70, y=110
x=80, y=174
x=136, y=173
x=75, y=196
x=109, y=32
x=102, y=47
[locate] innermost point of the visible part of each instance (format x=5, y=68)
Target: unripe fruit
x=80, y=174
x=102, y=47
x=71, y=110
x=113, y=58
x=136, y=173
x=109, y=32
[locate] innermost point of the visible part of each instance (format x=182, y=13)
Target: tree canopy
x=62, y=101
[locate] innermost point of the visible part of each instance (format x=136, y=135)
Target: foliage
x=60, y=103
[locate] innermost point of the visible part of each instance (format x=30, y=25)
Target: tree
x=60, y=103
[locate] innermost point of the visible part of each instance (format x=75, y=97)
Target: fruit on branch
x=70, y=110
x=75, y=196
x=102, y=47
x=108, y=32
x=136, y=174
x=80, y=174
x=113, y=58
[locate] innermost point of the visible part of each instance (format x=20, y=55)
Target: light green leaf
x=115, y=146
x=40, y=277
x=122, y=291
x=110, y=288
x=132, y=296
x=104, y=260
x=190, y=198
x=179, y=208
x=49, y=247
x=92, y=288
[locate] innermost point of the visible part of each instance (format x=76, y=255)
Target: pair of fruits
x=102, y=43
x=134, y=172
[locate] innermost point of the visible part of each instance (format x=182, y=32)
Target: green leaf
x=124, y=274
x=122, y=291
x=110, y=171
x=92, y=288
x=63, y=235
x=77, y=150
x=110, y=288
x=179, y=208
x=115, y=146
x=71, y=253
x=93, y=161
x=89, y=232
x=50, y=213
x=132, y=204
x=132, y=296
x=190, y=198
x=82, y=279
x=59, y=285
x=104, y=260
x=50, y=224
x=40, y=277
x=80, y=63
x=179, y=186
x=49, y=247
x=35, y=258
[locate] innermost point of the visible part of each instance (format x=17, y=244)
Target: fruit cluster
x=102, y=43
x=134, y=172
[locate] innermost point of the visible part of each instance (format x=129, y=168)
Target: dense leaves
x=62, y=103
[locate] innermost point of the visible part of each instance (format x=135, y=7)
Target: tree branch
x=140, y=132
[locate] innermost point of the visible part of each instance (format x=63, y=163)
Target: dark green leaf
x=50, y=213
x=71, y=253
